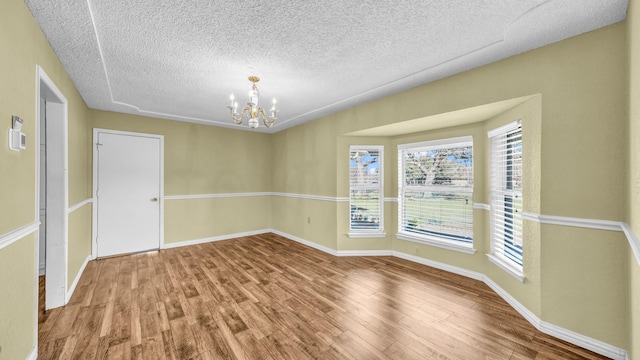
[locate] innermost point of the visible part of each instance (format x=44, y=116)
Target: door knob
x=154, y=199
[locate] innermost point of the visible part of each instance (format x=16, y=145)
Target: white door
x=128, y=188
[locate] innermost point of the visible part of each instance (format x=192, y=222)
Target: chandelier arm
x=238, y=117
x=234, y=116
x=268, y=122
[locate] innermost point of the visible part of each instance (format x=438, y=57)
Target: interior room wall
x=217, y=181
x=23, y=47
x=582, y=111
x=633, y=178
x=589, y=279
x=304, y=174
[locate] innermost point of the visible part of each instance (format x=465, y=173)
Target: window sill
x=444, y=244
x=506, y=266
x=364, y=235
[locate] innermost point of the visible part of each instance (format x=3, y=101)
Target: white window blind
x=506, y=192
x=366, y=188
x=436, y=190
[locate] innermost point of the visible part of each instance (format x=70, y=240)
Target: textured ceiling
x=181, y=59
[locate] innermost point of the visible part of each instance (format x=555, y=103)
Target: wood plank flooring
x=266, y=297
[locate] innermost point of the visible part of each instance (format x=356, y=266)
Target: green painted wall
x=205, y=160
x=633, y=173
x=79, y=241
x=574, y=147
x=589, y=119
x=23, y=47
x=306, y=219
x=194, y=219
x=18, y=300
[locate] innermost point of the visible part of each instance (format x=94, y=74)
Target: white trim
x=504, y=129
x=366, y=147
x=306, y=242
x=366, y=235
x=441, y=243
x=215, y=196
x=17, y=234
x=364, y=253
x=33, y=355
x=586, y=342
x=72, y=288
x=57, y=225
x=438, y=265
x=506, y=266
x=94, y=215
x=633, y=241
x=481, y=206
x=462, y=141
x=309, y=197
x=213, y=238
x=79, y=205
x=574, y=222
x=249, y=194
x=607, y=225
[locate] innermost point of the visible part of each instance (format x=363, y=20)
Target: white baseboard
x=213, y=238
x=439, y=265
x=72, y=288
x=364, y=253
x=586, y=342
x=33, y=355
x=572, y=337
x=305, y=242
x=41, y=269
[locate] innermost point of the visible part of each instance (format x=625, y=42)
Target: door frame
x=56, y=248
x=94, y=227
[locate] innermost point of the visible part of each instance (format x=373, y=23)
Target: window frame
x=502, y=188
x=432, y=240
x=368, y=233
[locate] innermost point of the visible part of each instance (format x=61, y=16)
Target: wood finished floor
x=266, y=297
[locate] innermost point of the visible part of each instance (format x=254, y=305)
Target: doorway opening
x=51, y=189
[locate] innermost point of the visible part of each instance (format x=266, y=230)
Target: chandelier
x=251, y=109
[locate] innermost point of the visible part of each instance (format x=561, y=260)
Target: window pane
x=365, y=187
x=365, y=209
x=447, y=166
x=364, y=167
x=513, y=228
x=506, y=194
x=448, y=215
x=436, y=189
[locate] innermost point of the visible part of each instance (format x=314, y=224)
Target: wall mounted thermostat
x=17, y=139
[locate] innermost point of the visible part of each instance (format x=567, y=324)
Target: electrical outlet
x=309, y=220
